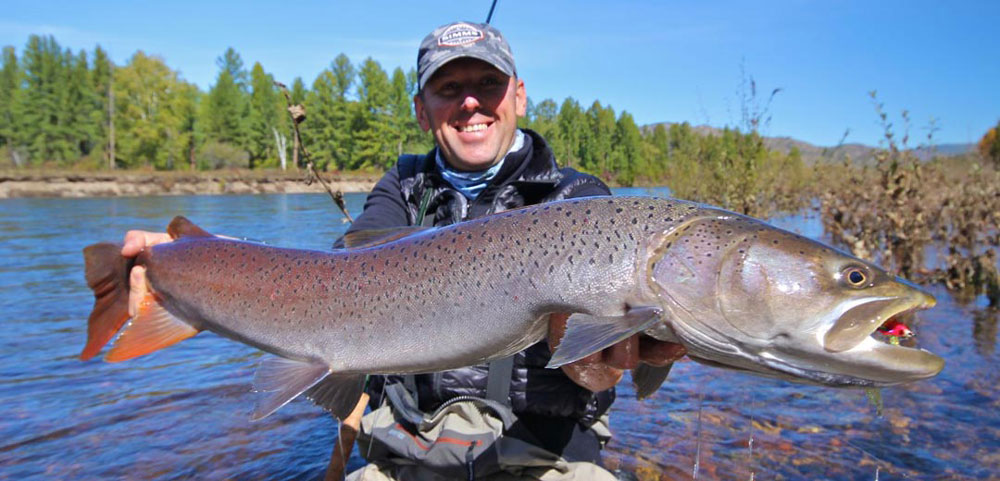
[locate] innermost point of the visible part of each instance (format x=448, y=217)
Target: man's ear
x=422, y=119
x=521, y=99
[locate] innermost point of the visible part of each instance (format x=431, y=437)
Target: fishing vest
x=532, y=178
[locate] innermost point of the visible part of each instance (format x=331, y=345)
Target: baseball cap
x=463, y=40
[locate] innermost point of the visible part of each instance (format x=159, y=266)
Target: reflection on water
x=984, y=331
x=183, y=412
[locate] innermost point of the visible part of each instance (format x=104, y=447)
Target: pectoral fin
x=647, y=379
x=280, y=380
x=587, y=334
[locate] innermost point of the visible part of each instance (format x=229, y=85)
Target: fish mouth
x=865, y=349
x=875, y=315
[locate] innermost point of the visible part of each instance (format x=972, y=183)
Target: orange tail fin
x=107, y=274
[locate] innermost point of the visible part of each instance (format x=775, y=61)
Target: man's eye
x=491, y=82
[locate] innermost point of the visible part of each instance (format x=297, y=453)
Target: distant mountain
x=859, y=153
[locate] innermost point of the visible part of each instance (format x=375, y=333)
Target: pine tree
x=573, y=133
x=265, y=116
x=374, y=145
x=299, y=92
x=401, y=118
x=328, y=125
x=543, y=118
x=79, y=108
x=224, y=113
x=43, y=117
x=598, y=149
x=11, y=90
x=101, y=80
x=628, y=161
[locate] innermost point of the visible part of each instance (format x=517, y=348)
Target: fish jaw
x=867, y=362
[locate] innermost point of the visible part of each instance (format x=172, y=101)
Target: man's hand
x=137, y=241
x=602, y=370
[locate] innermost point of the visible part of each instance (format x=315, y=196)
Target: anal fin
x=648, y=379
x=153, y=328
x=338, y=393
x=587, y=334
x=279, y=380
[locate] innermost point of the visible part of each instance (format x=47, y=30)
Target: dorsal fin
x=181, y=227
x=374, y=237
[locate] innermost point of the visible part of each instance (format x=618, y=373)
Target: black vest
x=534, y=179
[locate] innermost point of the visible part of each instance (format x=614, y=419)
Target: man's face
x=472, y=109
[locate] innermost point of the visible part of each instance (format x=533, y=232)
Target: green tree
x=224, y=113
x=11, y=90
x=373, y=132
x=573, y=133
x=101, y=80
x=598, y=149
x=152, y=113
x=299, y=92
x=266, y=116
x=327, y=129
x=80, y=107
x=628, y=161
x=43, y=116
x=542, y=118
x=406, y=131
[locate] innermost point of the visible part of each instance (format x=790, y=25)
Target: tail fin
x=107, y=274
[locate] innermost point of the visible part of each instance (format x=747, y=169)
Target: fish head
x=744, y=295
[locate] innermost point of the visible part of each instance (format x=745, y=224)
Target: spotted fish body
x=439, y=299
x=480, y=290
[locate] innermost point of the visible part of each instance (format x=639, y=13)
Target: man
x=470, y=99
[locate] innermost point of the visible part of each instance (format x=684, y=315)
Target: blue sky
x=661, y=61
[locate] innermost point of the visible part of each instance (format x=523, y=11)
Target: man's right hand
x=137, y=241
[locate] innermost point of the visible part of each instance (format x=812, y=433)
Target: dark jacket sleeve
x=577, y=184
x=589, y=190
x=384, y=208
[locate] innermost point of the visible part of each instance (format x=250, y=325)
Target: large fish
x=734, y=291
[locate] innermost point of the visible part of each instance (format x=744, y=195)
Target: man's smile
x=478, y=127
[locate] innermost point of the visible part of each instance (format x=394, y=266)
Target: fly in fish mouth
x=880, y=319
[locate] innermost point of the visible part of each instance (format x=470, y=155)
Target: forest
x=62, y=109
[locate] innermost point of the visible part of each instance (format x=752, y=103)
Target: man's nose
x=470, y=103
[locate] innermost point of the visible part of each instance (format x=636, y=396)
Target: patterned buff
x=470, y=184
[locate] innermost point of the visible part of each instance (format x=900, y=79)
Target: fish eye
x=855, y=276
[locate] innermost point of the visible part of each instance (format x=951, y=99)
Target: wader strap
x=422, y=218
x=410, y=383
x=404, y=404
x=498, y=380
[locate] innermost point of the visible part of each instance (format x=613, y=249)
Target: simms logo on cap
x=458, y=35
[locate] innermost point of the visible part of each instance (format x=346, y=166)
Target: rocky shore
x=18, y=183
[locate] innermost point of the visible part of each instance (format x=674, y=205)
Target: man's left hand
x=602, y=370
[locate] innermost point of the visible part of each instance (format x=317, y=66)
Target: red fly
x=895, y=328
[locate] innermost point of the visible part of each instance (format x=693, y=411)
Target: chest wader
x=464, y=438
x=443, y=444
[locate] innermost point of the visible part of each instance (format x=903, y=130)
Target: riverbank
x=37, y=183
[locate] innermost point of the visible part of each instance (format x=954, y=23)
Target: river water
x=182, y=412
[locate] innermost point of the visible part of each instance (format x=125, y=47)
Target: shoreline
x=78, y=184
